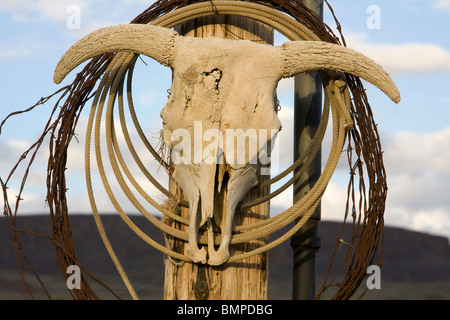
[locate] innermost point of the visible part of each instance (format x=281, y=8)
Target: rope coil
x=114, y=79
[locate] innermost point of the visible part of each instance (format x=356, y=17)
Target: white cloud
x=28, y=47
x=40, y=28
x=33, y=194
x=406, y=58
x=418, y=176
x=419, y=153
x=417, y=164
x=442, y=4
x=40, y=10
x=419, y=180
x=286, y=85
x=26, y=11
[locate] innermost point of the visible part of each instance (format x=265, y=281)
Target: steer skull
x=220, y=86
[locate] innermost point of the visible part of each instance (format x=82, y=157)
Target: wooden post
x=246, y=279
x=307, y=114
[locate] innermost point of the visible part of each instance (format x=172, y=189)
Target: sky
x=407, y=37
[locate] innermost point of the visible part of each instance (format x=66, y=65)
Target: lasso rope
x=302, y=209
x=306, y=26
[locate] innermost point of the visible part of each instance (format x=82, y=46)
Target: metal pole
x=307, y=113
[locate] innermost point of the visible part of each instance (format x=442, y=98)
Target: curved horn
x=301, y=56
x=153, y=41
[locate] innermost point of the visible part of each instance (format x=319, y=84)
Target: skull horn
x=302, y=56
x=153, y=41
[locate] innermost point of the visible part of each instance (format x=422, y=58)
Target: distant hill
x=410, y=258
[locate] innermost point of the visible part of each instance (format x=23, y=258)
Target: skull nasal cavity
x=222, y=176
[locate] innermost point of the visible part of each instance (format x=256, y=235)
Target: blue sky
x=408, y=39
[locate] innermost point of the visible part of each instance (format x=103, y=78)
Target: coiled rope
x=113, y=79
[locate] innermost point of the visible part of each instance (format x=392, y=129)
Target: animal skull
x=220, y=86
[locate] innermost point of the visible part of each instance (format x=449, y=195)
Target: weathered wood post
x=307, y=114
x=246, y=279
